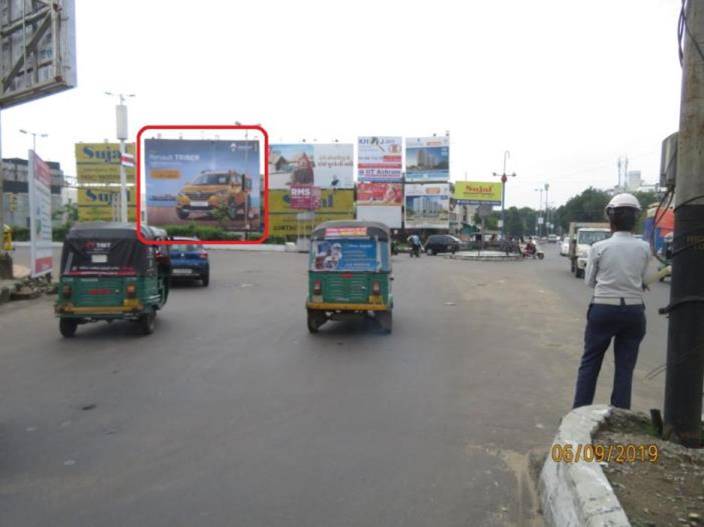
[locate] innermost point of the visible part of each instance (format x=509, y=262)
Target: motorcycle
x=532, y=251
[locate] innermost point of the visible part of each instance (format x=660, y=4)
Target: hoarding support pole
x=5, y=256
x=123, y=185
x=685, y=346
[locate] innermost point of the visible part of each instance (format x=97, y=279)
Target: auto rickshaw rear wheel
x=315, y=320
x=385, y=320
x=147, y=322
x=67, y=327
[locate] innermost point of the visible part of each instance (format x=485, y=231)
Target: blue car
x=189, y=261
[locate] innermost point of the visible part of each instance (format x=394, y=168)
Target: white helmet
x=623, y=200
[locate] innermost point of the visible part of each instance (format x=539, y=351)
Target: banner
x=39, y=215
x=102, y=204
x=379, y=159
x=427, y=159
x=209, y=182
x=389, y=215
x=100, y=163
x=477, y=192
x=305, y=197
x=428, y=206
x=345, y=255
x=380, y=194
x=325, y=166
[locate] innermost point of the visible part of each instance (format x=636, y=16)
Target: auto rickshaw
x=108, y=274
x=349, y=273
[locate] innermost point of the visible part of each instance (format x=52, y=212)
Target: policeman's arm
x=592, y=267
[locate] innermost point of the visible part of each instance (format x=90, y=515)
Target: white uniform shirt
x=617, y=266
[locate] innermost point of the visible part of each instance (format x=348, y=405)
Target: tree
x=588, y=206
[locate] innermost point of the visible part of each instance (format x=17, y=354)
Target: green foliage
x=587, y=206
x=20, y=234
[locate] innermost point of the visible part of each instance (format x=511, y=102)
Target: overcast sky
x=567, y=86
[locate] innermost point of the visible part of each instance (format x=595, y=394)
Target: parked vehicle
x=442, y=243
x=189, y=261
x=349, y=273
x=552, y=238
x=565, y=246
x=108, y=274
x=582, y=237
x=211, y=191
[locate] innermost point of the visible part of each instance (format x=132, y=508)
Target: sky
x=565, y=86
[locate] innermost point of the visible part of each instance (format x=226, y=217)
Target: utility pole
x=685, y=346
x=121, y=121
x=504, y=178
x=547, y=210
x=540, y=211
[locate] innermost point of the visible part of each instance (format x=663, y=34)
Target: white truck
x=582, y=237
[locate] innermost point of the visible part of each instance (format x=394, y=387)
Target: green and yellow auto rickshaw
x=108, y=274
x=349, y=273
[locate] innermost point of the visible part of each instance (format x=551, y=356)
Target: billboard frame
x=265, y=188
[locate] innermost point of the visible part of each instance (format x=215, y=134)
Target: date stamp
x=613, y=453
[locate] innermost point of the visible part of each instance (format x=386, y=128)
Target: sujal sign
x=477, y=192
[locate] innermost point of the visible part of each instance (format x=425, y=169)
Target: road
x=232, y=414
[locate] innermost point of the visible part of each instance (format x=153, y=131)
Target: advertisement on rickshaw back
x=345, y=255
x=210, y=182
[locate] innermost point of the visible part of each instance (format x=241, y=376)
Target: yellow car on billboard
x=211, y=191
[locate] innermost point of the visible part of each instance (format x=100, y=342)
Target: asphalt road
x=232, y=414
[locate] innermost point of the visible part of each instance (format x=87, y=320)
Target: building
x=633, y=180
x=15, y=193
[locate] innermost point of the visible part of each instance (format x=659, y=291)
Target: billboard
x=39, y=215
x=305, y=197
x=380, y=194
x=427, y=159
x=100, y=163
x=102, y=204
x=284, y=220
x=38, y=42
x=477, y=192
x=428, y=206
x=389, y=215
x=210, y=182
x=325, y=165
x=379, y=159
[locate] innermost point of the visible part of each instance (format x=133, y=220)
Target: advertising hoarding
x=427, y=159
x=379, y=194
x=210, y=182
x=100, y=163
x=284, y=220
x=39, y=215
x=324, y=165
x=102, y=204
x=379, y=159
x=389, y=215
x=427, y=206
x=345, y=255
x=477, y=192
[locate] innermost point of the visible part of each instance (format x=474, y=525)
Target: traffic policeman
x=616, y=269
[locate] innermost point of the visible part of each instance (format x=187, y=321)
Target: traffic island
x=607, y=466
x=485, y=256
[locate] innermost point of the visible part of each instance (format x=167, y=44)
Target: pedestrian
x=616, y=269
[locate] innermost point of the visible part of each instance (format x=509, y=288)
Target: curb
x=484, y=258
x=216, y=247
x=577, y=494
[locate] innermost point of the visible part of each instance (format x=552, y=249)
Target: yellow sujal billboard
x=100, y=163
x=477, y=192
x=100, y=203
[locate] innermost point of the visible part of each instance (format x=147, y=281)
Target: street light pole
x=34, y=137
x=504, y=177
x=121, y=121
x=540, y=211
x=547, y=210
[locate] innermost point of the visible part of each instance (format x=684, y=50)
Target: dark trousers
x=626, y=326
